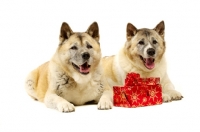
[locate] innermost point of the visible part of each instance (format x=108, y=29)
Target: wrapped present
x=133, y=79
x=120, y=98
x=138, y=92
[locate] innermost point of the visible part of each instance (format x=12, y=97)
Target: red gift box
x=138, y=92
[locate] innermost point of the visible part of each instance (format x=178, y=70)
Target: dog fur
x=73, y=76
x=142, y=53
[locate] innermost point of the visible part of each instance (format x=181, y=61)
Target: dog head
x=79, y=52
x=145, y=47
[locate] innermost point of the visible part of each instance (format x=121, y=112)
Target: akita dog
x=73, y=76
x=142, y=53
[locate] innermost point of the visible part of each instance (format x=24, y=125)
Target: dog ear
x=131, y=31
x=160, y=29
x=93, y=31
x=65, y=32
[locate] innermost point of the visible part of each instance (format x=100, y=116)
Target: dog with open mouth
x=142, y=53
x=73, y=76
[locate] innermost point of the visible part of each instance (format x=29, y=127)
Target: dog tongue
x=149, y=63
x=84, y=68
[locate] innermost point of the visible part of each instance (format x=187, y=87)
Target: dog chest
x=79, y=94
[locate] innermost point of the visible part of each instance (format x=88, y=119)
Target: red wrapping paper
x=138, y=92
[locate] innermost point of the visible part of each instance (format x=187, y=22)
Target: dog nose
x=86, y=55
x=151, y=51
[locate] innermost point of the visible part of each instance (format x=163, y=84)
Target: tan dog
x=142, y=53
x=73, y=75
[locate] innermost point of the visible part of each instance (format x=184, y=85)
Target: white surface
x=29, y=33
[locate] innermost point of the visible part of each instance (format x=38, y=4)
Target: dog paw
x=105, y=104
x=171, y=95
x=166, y=98
x=65, y=107
x=175, y=95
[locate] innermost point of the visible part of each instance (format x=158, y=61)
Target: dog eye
x=89, y=46
x=74, y=48
x=141, y=42
x=155, y=42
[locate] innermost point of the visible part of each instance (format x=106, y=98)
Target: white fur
x=79, y=90
x=81, y=79
x=59, y=85
x=122, y=65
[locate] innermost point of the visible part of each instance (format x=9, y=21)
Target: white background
x=29, y=33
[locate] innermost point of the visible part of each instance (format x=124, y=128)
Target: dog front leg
x=168, y=90
x=52, y=100
x=106, y=100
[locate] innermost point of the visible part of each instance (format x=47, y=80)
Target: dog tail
x=30, y=84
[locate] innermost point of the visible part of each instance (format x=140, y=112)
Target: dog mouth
x=148, y=62
x=83, y=69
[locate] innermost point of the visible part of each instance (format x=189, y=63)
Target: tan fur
x=128, y=60
x=59, y=85
x=108, y=63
